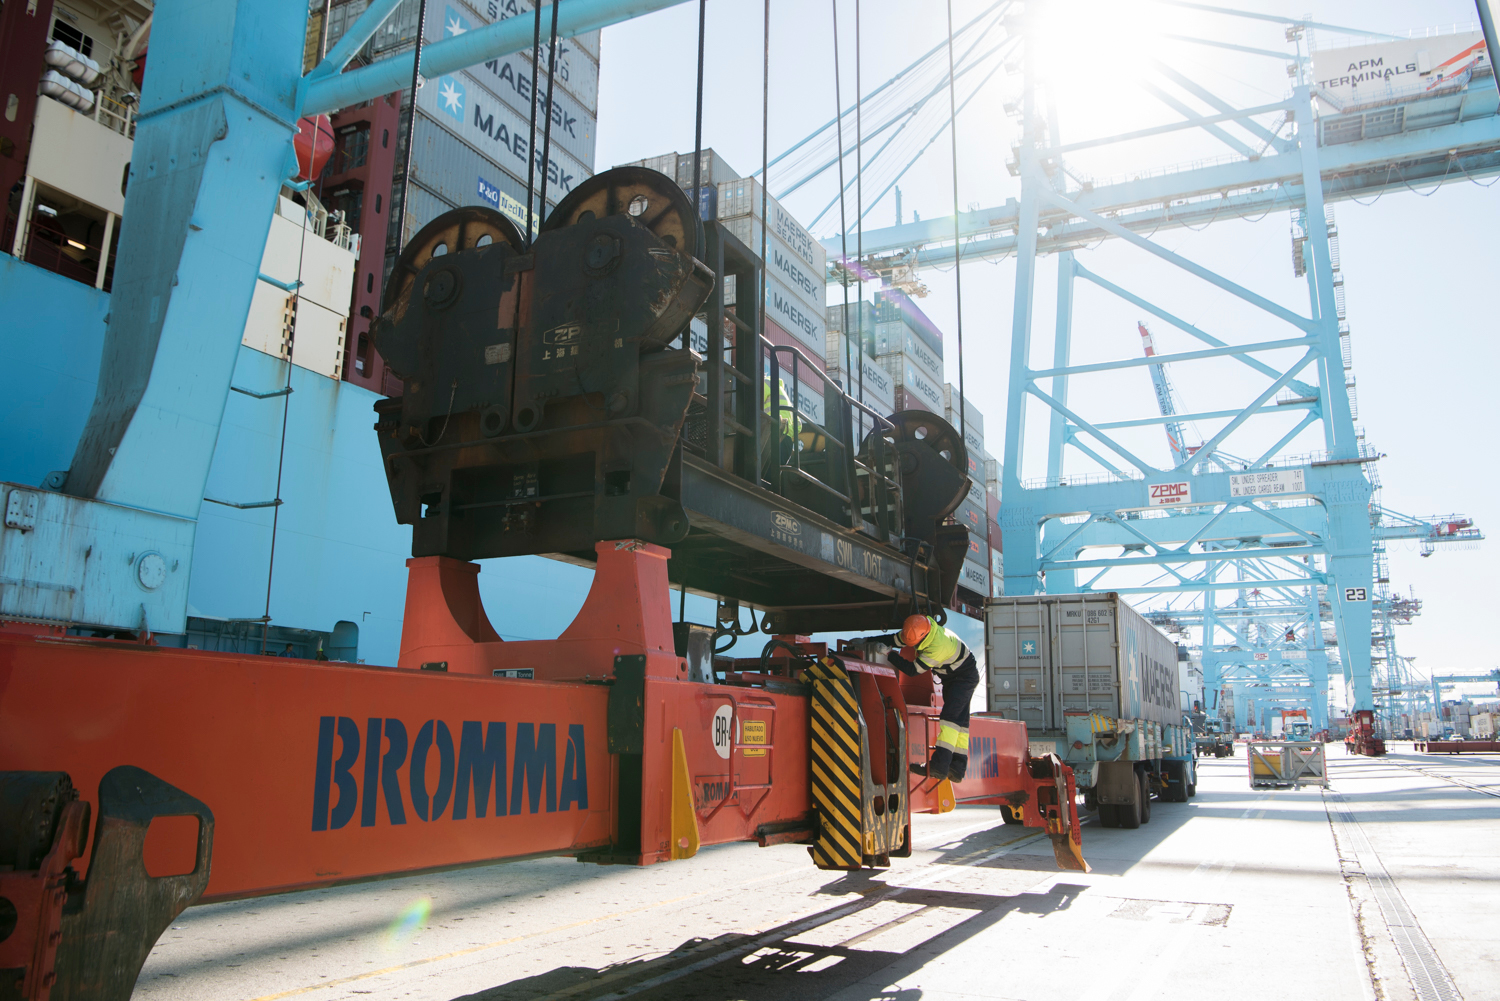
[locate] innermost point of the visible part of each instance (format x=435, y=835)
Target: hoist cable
x=698, y=120
x=411, y=115
x=859, y=207
x=838, y=103
x=547, y=110
x=536, y=62
x=765, y=153
x=958, y=285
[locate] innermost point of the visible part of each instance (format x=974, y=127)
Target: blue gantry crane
x=1294, y=526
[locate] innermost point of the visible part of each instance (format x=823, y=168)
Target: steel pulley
x=647, y=196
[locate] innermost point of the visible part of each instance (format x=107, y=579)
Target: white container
x=741, y=198
x=791, y=312
x=975, y=577
x=923, y=390
x=971, y=412
x=795, y=273
x=897, y=338
x=1053, y=653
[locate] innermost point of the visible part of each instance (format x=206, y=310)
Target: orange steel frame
x=321, y=773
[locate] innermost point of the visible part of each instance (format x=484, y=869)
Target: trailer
x=1095, y=684
x=1285, y=764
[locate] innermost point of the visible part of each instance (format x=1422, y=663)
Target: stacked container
x=472, y=141
x=795, y=262
x=910, y=347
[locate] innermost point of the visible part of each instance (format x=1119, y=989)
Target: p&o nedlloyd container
x=1096, y=684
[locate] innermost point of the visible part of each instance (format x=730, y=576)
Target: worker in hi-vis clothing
x=924, y=645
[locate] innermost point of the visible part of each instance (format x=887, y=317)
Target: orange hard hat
x=915, y=629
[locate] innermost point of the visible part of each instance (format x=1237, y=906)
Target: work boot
x=917, y=768
x=959, y=766
x=940, y=763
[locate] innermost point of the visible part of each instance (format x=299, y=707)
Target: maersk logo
x=451, y=96
x=1028, y=648
x=454, y=24
x=795, y=316
x=794, y=274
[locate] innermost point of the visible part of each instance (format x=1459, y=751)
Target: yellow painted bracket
x=1069, y=853
x=684, y=816
x=946, y=798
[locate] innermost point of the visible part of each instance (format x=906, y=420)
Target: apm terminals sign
x=1410, y=67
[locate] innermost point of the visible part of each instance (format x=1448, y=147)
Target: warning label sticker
x=753, y=731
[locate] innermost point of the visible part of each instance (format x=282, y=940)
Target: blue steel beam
x=1359, y=169
x=576, y=17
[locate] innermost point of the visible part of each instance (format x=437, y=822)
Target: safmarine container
x=1054, y=653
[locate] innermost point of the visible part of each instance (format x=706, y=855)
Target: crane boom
x=1164, y=398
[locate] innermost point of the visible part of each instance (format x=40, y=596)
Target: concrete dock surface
x=1385, y=886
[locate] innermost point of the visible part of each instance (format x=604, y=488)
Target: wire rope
x=858, y=347
x=536, y=62
x=958, y=284
x=838, y=103
x=547, y=128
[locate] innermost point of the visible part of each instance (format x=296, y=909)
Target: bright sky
x=1415, y=264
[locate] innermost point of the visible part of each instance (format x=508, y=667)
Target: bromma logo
x=522, y=772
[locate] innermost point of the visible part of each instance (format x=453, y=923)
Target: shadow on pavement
x=803, y=960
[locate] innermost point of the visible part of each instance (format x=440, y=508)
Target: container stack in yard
x=1096, y=684
x=856, y=367
x=471, y=137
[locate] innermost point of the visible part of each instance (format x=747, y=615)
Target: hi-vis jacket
x=940, y=651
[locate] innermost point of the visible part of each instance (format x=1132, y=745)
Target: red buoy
x=314, y=145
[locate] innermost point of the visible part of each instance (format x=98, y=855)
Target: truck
x=1212, y=738
x=1095, y=684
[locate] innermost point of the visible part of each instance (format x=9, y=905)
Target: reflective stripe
x=955, y=738
x=940, y=647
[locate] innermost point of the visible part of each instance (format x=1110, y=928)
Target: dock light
x=76, y=245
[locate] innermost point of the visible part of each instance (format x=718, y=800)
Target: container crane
x=1174, y=429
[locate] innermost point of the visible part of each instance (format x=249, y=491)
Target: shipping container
x=897, y=338
x=909, y=377
x=997, y=570
x=482, y=122
x=791, y=312
x=712, y=170
x=992, y=472
x=877, y=385
x=1053, y=654
x=973, y=440
x=970, y=516
x=664, y=164
x=979, y=550
x=893, y=305
x=460, y=175
x=971, y=412
x=778, y=335
x=575, y=82
x=835, y=315
x=975, y=577
x=575, y=69
x=740, y=199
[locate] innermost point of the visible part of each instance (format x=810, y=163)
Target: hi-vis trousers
x=951, y=756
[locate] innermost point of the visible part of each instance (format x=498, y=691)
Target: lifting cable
x=536, y=61
x=859, y=208
x=411, y=112
x=838, y=107
x=963, y=401
x=698, y=134
x=547, y=109
x=765, y=220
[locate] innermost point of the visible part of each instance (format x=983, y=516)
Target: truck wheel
x=1130, y=813
x=1109, y=815
x=1145, y=784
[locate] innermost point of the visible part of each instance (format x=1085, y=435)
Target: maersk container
x=975, y=578
x=575, y=68
x=1051, y=654
x=460, y=175
x=892, y=305
x=712, y=169
x=741, y=199
x=792, y=312
x=971, y=412
x=895, y=337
